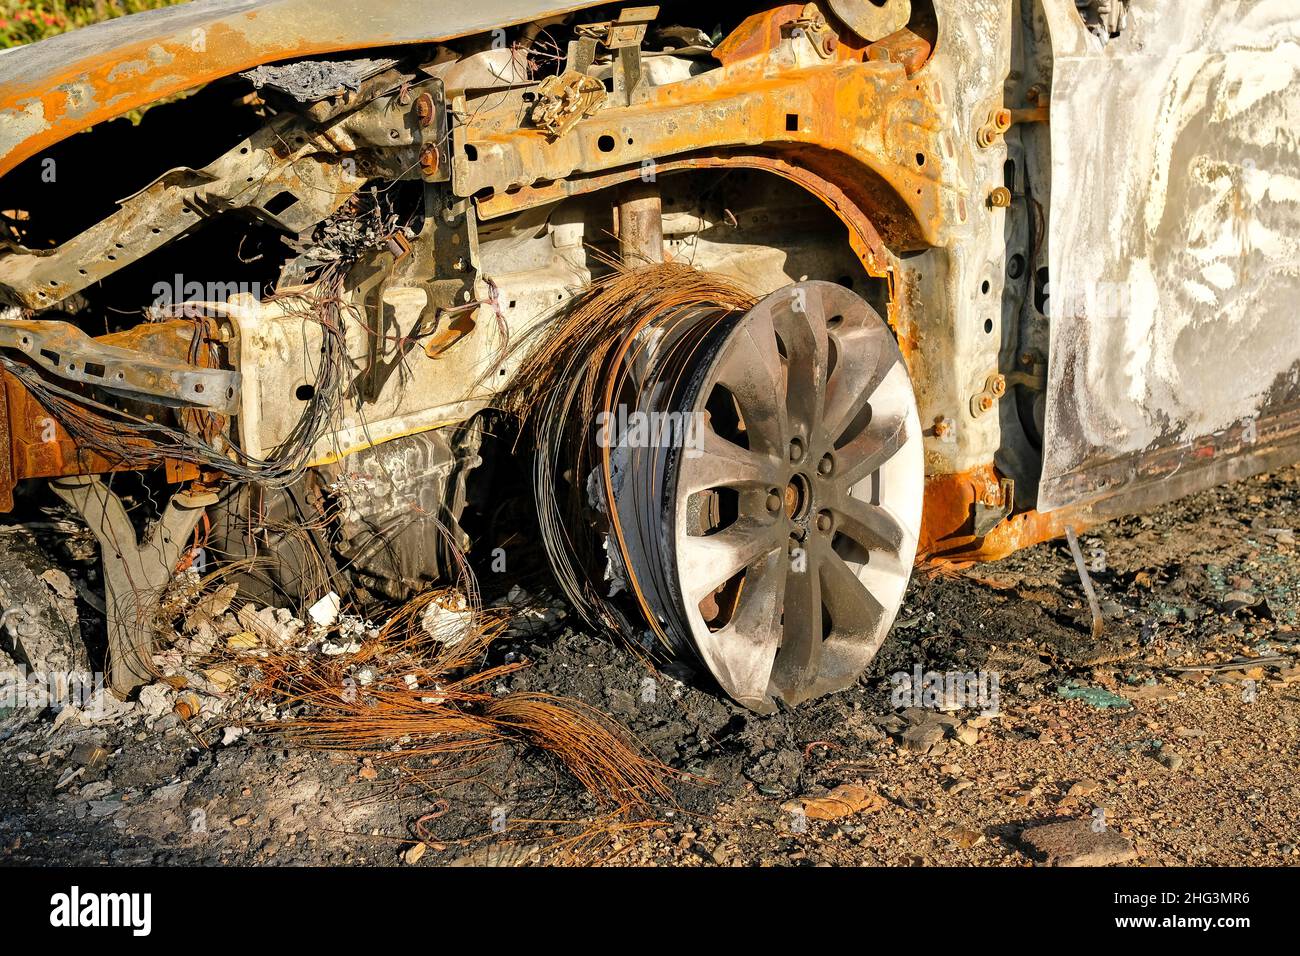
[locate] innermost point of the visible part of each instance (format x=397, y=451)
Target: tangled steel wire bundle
x=413, y=692
x=625, y=345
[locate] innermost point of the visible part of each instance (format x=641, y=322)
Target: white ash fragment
x=274, y=627
x=447, y=619
x=155, y=700
x=325, y=612
x=353, y=632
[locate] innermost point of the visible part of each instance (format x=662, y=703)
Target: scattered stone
x=1077, y=843
x=922, y=738
x=1169, y=759
x=968, y=735
x=844, y=801
x=414, y=853
x=1084, y=788
x=964, y=838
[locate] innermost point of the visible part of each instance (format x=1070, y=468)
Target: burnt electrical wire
x=129, y=440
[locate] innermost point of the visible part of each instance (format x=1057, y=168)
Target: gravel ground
x=1163, y=740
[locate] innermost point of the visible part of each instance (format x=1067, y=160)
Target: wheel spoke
x=802, y=327
x=853, y=608
x=802, y=625
x=749, y=643
x=706, y=562
x=864, y=359
x=865, y=455
x=720, y=463
x=751, y=371
x=871, y=526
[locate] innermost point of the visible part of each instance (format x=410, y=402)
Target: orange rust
x=863, y=236
x=38, y=446
x=763, y=31
x=903, y=47
x=141, y=61
x=947, y=523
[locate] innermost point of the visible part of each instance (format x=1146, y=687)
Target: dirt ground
x=1165, y=735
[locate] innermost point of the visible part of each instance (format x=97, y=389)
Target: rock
x=1169, y=759
x=413, y=854
x=1076, y=843
x=966, y=839
x=968, y=735
x=922, y=738
x=1151, y=692
x=845, y=800
x=1084, y=788
x=777, y=770
x=104, y=808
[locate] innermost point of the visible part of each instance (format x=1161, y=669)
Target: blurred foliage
x=26, y=21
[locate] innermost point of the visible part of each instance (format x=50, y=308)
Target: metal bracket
x=626, y=35
x=135, y=571
x=873, y=20
x=995, y=386
x=992, y=510
x=65, y=351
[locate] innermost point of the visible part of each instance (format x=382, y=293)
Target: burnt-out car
x=786, y=295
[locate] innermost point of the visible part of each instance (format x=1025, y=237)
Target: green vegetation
x=26, y=21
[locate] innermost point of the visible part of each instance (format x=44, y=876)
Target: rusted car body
x=1079, y=221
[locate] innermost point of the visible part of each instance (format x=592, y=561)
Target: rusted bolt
x=796, y=449
x=1000, y=198
x=773, y=502
x=824, y=522
x=826, y=465
x=1002, y=120
x=943, y=428
x=998, y=385
x=830, y=43
x=460, y=265
x=430, y=161
x=424, y=110
x=1027, y=359
x=986, y=403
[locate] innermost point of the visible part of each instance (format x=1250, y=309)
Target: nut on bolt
x=430, y=161
x=998, y=385
x=1000, y=198
x=424, y=110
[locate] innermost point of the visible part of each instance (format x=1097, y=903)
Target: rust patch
x=947, y=524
